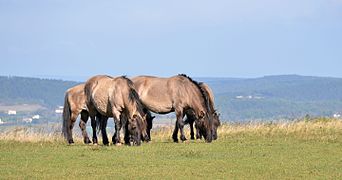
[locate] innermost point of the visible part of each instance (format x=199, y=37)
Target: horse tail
x=66, y=116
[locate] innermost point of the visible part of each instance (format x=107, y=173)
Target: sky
x=218, y=38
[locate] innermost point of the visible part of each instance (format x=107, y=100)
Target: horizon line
x=78, y=78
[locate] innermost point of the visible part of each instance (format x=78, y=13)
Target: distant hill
x=276, y=97
x=270, y=97
x=47, y=92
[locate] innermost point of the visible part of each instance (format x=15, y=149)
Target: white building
x=249, y=97
x=12, y=112
x=337, y=115
x=36, y=117
x=27, y=120
x=59, y=111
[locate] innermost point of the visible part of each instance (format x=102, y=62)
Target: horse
x=216, y=116
x=74, y=104
x=116, y=97
x=179, y=94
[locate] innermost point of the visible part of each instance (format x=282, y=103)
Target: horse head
x=205, y=126
x=134, y=130
x=216, y=124
x=137, y=129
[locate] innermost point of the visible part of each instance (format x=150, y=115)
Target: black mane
x=204, y=94
x=133, y=95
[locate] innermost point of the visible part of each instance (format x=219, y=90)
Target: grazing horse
x=179, y=94
x=117, y=98
x=216, y=119
x=74, y=104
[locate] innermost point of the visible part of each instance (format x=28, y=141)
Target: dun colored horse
x=179, y=94
x=216, y=119
x=75, y=104
x=117, y=98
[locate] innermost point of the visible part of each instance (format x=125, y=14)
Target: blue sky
x=222, y=38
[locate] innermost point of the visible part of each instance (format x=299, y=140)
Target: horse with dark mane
x=116, y=97
x=216, y=119
x=74, y=105
x=179, y=94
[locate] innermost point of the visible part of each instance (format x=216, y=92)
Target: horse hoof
x=183, y=138
x=71, y=142
x=87, y=141
x=118, y=144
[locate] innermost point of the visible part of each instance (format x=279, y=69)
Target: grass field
x=299, y=150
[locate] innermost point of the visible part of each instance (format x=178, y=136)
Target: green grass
x=305, y=153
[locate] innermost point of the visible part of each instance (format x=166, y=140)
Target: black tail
x=66, y=117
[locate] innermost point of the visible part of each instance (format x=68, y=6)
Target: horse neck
x=132, y=108
x=198, y=104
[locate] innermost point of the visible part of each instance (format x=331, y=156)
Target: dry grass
x=33, y=134
x=319, y=129
x=316, y=129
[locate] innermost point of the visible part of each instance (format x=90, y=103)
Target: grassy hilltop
x=308, y=149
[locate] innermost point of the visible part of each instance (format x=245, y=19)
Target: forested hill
x=292, y=87
x=276, y=97
x=47, y=92
x=270, y=97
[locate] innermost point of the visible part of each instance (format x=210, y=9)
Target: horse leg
x=126, y=137
x=103, y=121
x=192, y=134
x=180, y=126
x=149, y=119
x=189, y=120
x=83, y=126
x=93, y=126
x=124, y=126
x=116, y=138
x=198, y=133
x=73, y=118
x=175, y=133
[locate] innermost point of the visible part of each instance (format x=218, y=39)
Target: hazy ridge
x=237, y=99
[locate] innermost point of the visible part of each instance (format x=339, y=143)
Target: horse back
x=76, y=97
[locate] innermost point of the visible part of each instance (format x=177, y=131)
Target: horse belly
x=159, y=107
